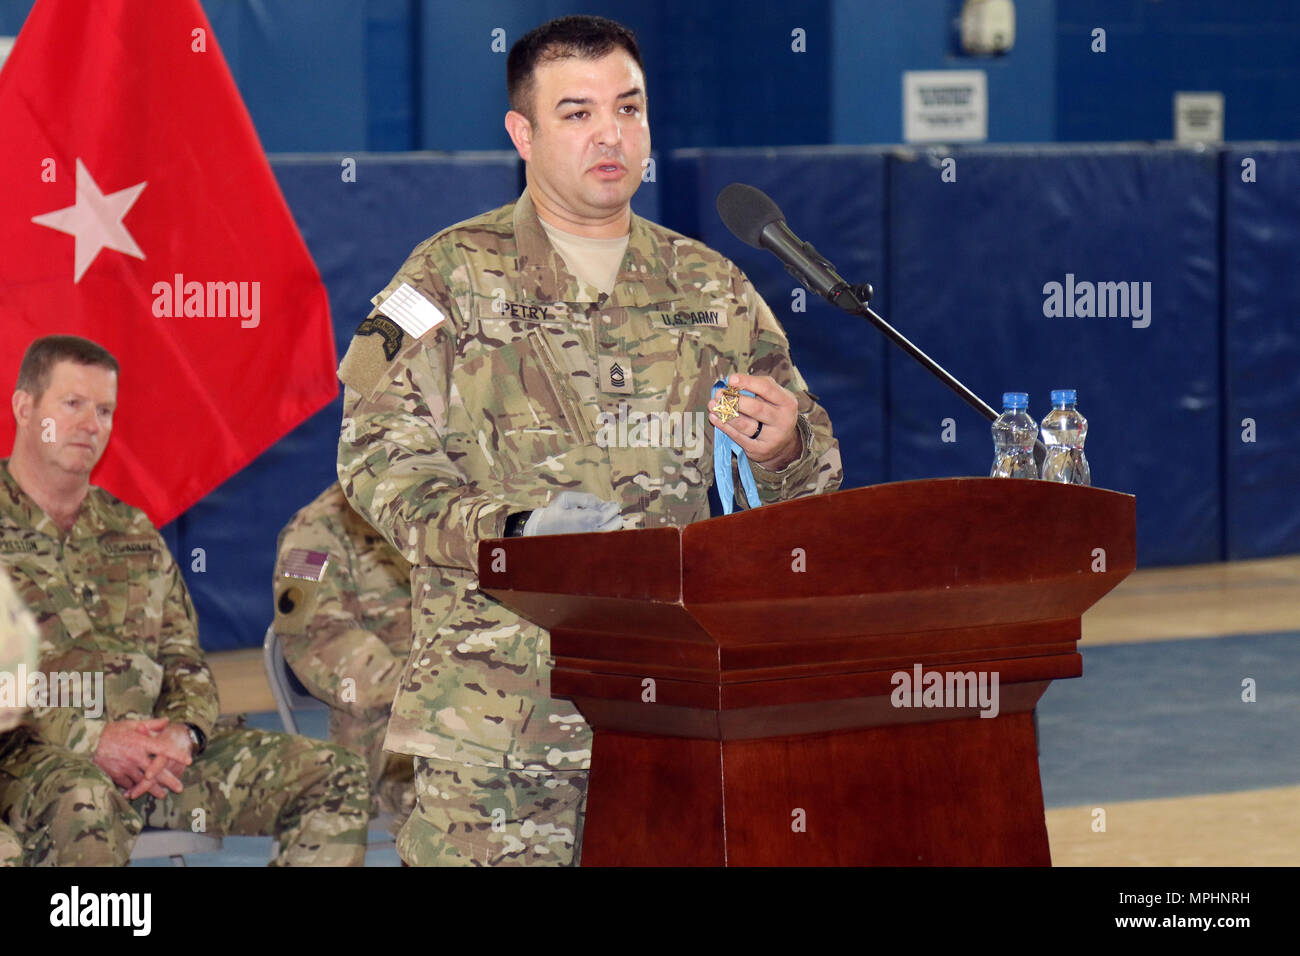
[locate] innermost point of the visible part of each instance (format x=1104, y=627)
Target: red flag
x=139, y=211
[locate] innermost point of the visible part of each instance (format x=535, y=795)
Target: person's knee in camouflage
x=392, y=776
x=395, y=788
x=484, y=816
x=312, y=796
x=19, y=640
x=69, y=812
x=11, y=848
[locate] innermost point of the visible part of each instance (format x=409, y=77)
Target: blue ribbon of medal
x=724, y=447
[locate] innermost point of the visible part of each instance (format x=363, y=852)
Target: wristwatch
x=515, y=524
x=198, y=738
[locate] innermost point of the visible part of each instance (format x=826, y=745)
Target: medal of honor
x=726, y=408
x=724, y=448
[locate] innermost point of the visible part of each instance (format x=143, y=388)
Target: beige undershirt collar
x=596, y=262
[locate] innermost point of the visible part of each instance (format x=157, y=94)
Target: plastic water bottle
x=1013, y=439
x=1064, y=431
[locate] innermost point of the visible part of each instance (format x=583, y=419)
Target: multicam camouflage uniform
x=343, y=614
x=109, y=599
x=496, y=409
x=18, y=643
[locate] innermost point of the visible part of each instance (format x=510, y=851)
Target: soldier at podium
x=540, y=370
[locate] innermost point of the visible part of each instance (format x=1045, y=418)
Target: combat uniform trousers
x=11, y=848
x=486, y=816
x=391, y=775
x=493, y=798
x=311, y=796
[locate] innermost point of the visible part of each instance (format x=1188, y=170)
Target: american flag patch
x=306, y=565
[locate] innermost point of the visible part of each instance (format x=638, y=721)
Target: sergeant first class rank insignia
x=615, y=373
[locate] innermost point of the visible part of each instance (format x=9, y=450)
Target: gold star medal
x=726, y=408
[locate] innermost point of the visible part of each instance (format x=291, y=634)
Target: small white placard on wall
x=1198, y=117
x=945, y=106
x=6, y=44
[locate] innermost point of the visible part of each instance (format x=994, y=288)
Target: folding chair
x=175, y=844
x=288, y=691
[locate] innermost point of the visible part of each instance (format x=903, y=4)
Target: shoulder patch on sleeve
x=295, y=605
x=388, y=331
x=304, y=564
x=366, y=362
x=402, y=317
x=297, y=583
x=411, y=310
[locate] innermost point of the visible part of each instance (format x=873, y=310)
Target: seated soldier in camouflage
x=18, y=639
x=78, y=784
x=343, y=615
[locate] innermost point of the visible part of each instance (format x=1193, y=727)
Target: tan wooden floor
x=241, y=681
x=1255, y=827
x=1202, y=600
x=1250, y=828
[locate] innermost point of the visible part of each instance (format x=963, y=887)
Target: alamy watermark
x=82, y=690
x=948, y=689
x=75, y=908
x=629, y=429
x=210, y=300
x=1122, y=300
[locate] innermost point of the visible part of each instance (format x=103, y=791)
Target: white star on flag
x=95, y=221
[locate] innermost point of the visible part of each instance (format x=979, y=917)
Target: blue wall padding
x=959, y=267
x=1262, y=349
x=968, y=263
x=359, y=234
x=833, y=198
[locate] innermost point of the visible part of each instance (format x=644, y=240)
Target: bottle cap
x=1064, y=396
x=1015, y=400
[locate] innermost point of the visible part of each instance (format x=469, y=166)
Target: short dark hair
x=43, y=354
x=588, y=38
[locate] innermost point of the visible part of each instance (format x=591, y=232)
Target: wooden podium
x=744, y=676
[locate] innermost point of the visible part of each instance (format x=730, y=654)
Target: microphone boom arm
x=853, y=299
x=757, y=221
x=935, y=369
x=850, y=303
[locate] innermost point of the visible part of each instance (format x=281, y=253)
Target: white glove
x=574, y=512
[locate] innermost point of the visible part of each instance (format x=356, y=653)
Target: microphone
x=757, y=221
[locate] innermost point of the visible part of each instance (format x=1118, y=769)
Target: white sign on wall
x=6, y=44
x=1198, y=117
x=945, y=106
